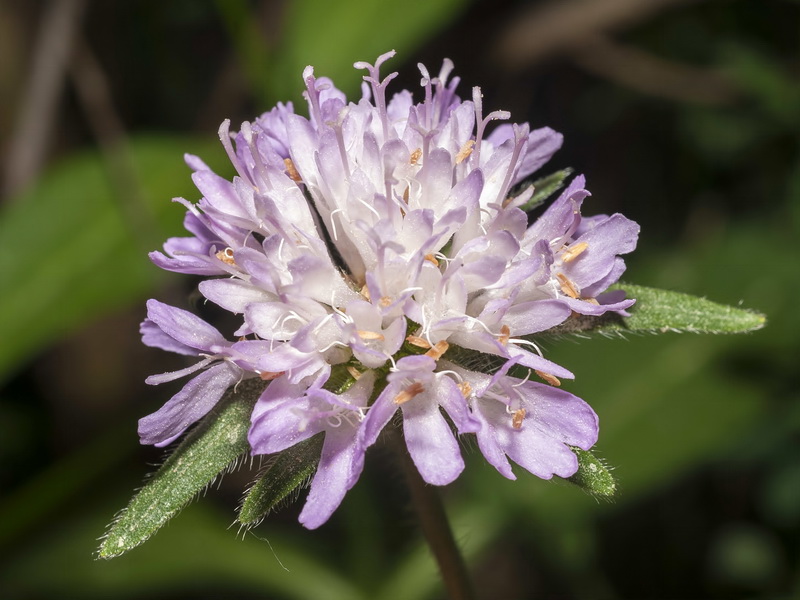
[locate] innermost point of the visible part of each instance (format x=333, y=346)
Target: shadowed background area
x=683, y=115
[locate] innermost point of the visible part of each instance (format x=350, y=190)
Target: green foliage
x=546, y=187
x=289, y=471
x=197, y=551
x=211, y=447
x=331, y=36
x=72, y=250
x=662, y=311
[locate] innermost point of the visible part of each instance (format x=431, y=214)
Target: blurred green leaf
x=290, y=470
x=71, y=251
x=776, y=89
x=208, y=449
x=546, y=187
x=333, y=35
x=662, y=311
x=197, y=555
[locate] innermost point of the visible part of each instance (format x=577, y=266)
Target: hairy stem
x=435, y=527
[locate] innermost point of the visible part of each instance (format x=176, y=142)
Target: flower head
x=386, y=237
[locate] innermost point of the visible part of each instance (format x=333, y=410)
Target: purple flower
x=374, y=236
x=289, y=413
x=532, y=423
x=177, y=330
x=420, y=392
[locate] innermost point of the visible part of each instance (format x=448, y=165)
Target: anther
x=465, y=388
x=551, y=379
x=567, y=286
x=415, y=156
x=437, y=351
x=415, y=389
x=418, y=342
x=291, y=170
x=432, y=259
x=226, y=256
x=505, y=334
x=385, y=301
x=354, y=373
x=370, y=335
x=269, y=376
x=516, y=419
x=574, y=252
x=465, y=151
x=365, y=292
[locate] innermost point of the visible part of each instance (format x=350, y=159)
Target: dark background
x=684, y=115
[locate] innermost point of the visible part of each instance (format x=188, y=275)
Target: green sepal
x=545, y=187
x=592, y=475
x=662, y=311
x=210, y=448
x=290, y=470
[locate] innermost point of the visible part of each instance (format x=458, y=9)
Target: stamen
x=437, y=351
x=365, y=292
x=334, y=420
x=226, y=256
x=432, y=259
x=591, y=301
x=385, y=302
x=334, y=233
x=322, y=323
x=415, y=156
x=524, y=381
x=337, y=129
x=418, y=342
x=291, y=170
x=269, y=376
x=567, y=286
x=516, y=419
x=505, y=333
x=465, y=151
x=520, y=341
x=372, y=208
x=551, y=379
x=465, y=388
x=457, y=376
x=331, y=345
x=415, y=389
x=354, y=373
x=370, y=335
x=574, y=252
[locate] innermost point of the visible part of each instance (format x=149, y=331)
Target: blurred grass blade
x=214, y=445
x=70, y=253
x=545, y=187
x=592, y=475
x=290, y=470
x=662, y=311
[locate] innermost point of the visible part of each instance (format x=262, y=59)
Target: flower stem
x=435, y=527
